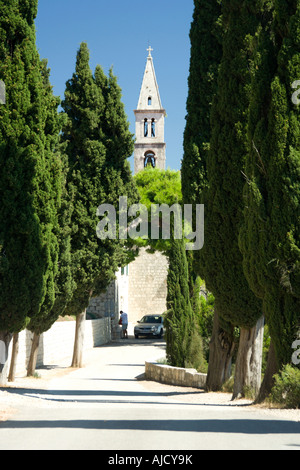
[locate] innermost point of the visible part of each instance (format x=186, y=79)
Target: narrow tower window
x=153, y=128
x=146, y=127
x=149, y=101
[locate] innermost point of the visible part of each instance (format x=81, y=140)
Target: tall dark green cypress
x=183, y=340
x=221, y=256
x=29, y=182
x=206, y=53
x=119, y=144
x=270, y=237
x=60, y=285
x=221, y=259
x=98, y=174
x=82, y=135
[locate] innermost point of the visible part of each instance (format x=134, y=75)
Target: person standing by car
x=124, y=318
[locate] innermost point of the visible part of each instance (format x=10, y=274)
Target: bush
x=286, y=389
x=195, y=359
x=227, y=386
x=205, y=320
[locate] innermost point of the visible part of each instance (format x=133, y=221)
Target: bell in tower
x=150, y=147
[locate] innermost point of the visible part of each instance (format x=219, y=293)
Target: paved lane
x=104, y=406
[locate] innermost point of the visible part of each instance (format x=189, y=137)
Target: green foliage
x=207, y=312
x=214, y=156
x=97, y=142
x=206, y=52
x=59, y=284
x=266, y=347
x=286, y=389
x=195, y=357
x=184, y=343
x=157, y=187
x=220, y=261
x=205, y=320
x=30, y=173
x=270, y=236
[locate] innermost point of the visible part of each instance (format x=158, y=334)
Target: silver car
x=150, y=325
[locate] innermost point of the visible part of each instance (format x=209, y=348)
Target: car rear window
x=154, y=319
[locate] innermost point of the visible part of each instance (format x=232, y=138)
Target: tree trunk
x=33, y=355
x=271, y=370
x=14, y=355
x=5, y=339
x=249, y=360
x=220, y=356
x=79, y=338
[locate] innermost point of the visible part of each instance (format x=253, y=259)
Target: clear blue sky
x=118, y=32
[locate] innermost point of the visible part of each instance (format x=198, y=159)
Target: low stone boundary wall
x=174, y=375
x=56, y=345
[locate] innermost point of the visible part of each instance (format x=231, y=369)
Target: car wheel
x=136, y=336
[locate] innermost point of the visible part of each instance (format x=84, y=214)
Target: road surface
x=103, y=406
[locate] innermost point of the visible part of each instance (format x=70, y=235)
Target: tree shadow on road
x=228, y=426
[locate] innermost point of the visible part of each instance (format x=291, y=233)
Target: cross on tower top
x=149, y=50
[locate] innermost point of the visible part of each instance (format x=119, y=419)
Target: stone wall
x=104, y=305
x=114, y=299
x=139, y=289
x=174, y=375
x=147, y=292
x=56, y=345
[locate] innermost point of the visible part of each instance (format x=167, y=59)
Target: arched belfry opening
x=150, y=159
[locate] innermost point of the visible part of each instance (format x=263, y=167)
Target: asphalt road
x=105, y=407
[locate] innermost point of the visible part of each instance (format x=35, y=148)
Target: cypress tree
x=83, y=105
x=117, y=178
x=206, y=53
x=28, y=197
x=98, y=173
x=270, y=236
x=221, y=258
x=59, y=286
x=183, y=340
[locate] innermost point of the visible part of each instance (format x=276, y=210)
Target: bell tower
x=150, y=147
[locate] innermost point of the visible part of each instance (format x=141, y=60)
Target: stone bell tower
x=147, y=283
x=150, y=147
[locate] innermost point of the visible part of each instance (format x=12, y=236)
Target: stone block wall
x=105, y=304
x=110, y=302
x=174, y=375
x=147, y=291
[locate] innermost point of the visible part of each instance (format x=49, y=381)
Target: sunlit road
x=104, y=406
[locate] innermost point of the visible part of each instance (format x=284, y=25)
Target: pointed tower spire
x=150, y=147
x=149, y=95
